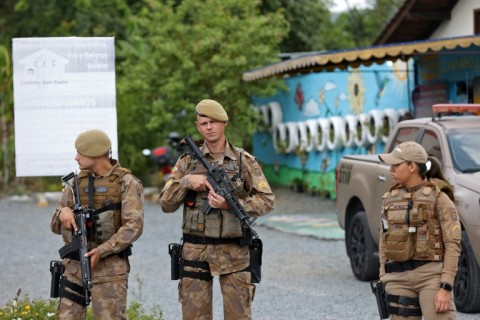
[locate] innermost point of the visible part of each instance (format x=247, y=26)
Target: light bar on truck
x=451, y=108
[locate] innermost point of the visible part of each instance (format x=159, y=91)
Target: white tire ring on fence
x=264, y=113
x=302, y=136
x=292, y=136
x=361, y=137
x=392, y=116
x=338, y=126
x=323, y=133
x=350, y=130
x=375, y=116
x=312, y=134
x=274, y=114
x=279, y=135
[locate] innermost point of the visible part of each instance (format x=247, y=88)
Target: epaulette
x=245, y=153
x=183, y=155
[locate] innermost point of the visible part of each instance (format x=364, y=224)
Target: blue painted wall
x=324, y=95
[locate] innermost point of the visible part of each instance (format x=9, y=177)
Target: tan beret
x=93, y=143
x=212, y=109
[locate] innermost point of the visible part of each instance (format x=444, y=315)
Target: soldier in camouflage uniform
x=212, y=242
x=419, y=238
x=119, y=222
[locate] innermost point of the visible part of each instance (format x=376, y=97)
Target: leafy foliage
x=45, y=309
x=179, y=54
x=173, y=53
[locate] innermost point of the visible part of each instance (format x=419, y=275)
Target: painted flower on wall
x=299, y=98
x=356, y=91
x=400, y=70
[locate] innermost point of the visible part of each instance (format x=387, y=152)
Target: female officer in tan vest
x=419, y=239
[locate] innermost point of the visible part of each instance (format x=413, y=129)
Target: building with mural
x=346, y=102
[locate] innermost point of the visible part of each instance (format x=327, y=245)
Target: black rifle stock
x=78, y=247
x=378, y=290
x=222, y=186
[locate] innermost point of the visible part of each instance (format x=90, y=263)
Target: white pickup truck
x=361, y=181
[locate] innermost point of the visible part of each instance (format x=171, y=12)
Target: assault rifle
x=222, y=186
x=78, y=247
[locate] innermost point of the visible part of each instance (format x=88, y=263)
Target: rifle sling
x=108, y=207
x=91, y=189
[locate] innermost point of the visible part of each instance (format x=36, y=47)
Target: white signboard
x=62, y=86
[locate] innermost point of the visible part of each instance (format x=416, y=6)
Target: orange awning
x=329, y=60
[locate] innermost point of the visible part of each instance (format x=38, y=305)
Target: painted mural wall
x=323, y=116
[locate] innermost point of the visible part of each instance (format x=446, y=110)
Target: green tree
x=310, y=23
x=6, y=128
x=170, y=55
x=313, y=27
x=179, y=53
x=360, y=27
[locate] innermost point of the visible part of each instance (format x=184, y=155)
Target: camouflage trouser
x=196, y=297
x=109, y=299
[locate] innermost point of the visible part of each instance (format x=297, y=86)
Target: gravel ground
x=302, y=277
x=289, y=202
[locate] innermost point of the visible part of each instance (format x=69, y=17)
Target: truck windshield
x=464, y=145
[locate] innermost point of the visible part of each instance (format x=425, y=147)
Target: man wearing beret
x=212, y=242
x=116, y=198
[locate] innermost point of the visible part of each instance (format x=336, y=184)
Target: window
x=403, y=135
x=432, y=145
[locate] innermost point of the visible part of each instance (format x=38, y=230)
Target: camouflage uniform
x=436, y=246
x=110, y=273
x=229, y=261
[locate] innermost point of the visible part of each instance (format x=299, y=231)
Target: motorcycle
x=165, y=157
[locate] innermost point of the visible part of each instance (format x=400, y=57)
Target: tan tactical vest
x=218, y=223
x=411, y=227
x=107, y=191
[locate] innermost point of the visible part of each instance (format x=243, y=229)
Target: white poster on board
x=62, y=86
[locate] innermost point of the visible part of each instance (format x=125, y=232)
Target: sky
x=341, y=5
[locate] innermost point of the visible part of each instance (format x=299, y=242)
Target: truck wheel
x=362, y=248
x=467, y=282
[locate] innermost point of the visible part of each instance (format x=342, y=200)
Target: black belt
x=404, y=266
x=207, y=240
x=122, y=254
